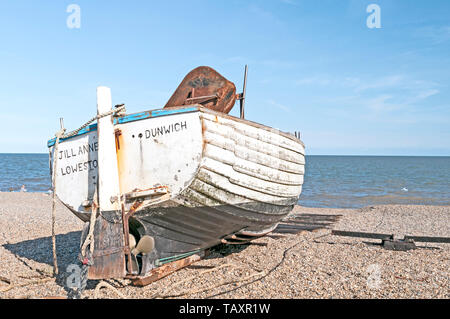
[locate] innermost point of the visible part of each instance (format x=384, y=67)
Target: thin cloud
x=239, y=59
x=381, y=83
x=395, y=98
x=380, y=103
x=276, y=63
x=290, y=2
x=435, y=34
x=315, y=80
x=280, y=106
x=265, y=15
x=327, y=80
x=427, y=93
x=396, y=85
x=272, y=63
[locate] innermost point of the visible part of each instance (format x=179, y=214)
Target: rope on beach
x=262, y=274
x=26, y=284
x=222, y=283
x=194, y=291
x=4, y=279
x=104, y=284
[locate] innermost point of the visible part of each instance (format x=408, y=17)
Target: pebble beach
x=300, y=259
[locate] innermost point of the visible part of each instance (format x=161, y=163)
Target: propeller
x=134, y=263
x=144, y=246
x=131, y=241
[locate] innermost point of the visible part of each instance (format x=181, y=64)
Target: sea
x=329, y=181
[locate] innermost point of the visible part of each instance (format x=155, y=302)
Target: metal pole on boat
x=242, y=100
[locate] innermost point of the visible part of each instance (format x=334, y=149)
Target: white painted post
x=108, y=174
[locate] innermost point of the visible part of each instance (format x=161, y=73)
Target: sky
x=313, y=66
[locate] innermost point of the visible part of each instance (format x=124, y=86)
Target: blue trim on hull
x=130, y=118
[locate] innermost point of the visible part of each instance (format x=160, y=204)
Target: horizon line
x=373, y=155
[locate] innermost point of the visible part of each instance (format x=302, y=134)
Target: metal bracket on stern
x=154, y=191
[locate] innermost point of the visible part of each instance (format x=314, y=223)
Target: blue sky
x=314, y=67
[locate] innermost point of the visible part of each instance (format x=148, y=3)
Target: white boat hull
x=189, y=177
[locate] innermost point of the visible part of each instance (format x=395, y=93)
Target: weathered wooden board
x=109, y=257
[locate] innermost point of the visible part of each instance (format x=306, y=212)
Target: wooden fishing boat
x=172, y=182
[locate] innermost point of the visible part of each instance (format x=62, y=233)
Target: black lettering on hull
x=79, y=167
x=165, y=129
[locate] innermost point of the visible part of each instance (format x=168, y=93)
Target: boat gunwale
x=133, y=117
x=177, y=110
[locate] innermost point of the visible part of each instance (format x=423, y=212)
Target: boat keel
x=166, y=269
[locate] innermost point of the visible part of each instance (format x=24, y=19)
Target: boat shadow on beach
x=40, y=250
